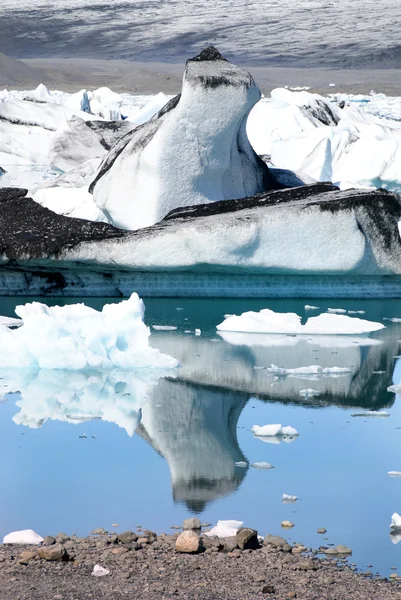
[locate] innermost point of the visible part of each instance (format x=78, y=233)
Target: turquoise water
x=87, y=450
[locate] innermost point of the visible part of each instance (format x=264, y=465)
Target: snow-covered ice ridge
x=357, y=145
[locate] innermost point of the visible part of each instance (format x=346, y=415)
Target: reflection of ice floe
x=194, y=429
x=268, y=321
x=78, y=337
x=395, y=537
x=75, y=397
x=262, y=465
x=312, y=372
x=230, y=364
x=309, y=393
x=371, y=413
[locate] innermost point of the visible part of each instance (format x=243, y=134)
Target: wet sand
x=152, y=77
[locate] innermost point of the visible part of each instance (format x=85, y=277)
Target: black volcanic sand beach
x=144, y=565
x=72, y=74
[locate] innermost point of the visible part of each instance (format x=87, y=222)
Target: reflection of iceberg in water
x=230, y=364
x=194, y=429
x=74, y=397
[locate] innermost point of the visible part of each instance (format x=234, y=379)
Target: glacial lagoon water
x=81, y=451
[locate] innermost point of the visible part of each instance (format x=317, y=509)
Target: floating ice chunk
x=197, y=332
x=356, y=312
x=99, y=571
x=11, y=322
x=371, y=413
x=266, y=430
x=392, y=319
x=225, y=529
x=262, y=465
x=289, y=498
x=396, y=389
x=78, y=337
x=395, y=522
x=339, y=311
x=164, y=327
x=312, y=372
x=268, y=321
x=25, y=536
x=241, y=463
x=311, y=307
x=394, y=473
x=309, y=393
x=275, y=430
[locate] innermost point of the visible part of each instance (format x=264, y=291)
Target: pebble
x=322, y=530
x=275, y=540
x=54, y=552
x=268, y=589
x=343, y=549
x=26, y=556
x=99, y=531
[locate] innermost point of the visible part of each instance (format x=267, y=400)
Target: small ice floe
x=11, y=322
x=77, y=337
x=309, y=393
x=287, y=498
x=262, y=465
x=25, y=536
x=371, y=413
x=274, y=430
x=225, y=529
x=378, y=372
x=197, y=332
x=311, y=307
x=392, y=319
x=396, y=389
x=394, y=473
x=268, y=321
x=338, y=311
x=356, y=312
x=164, y=327
x=312, y=372
x=395, y=524
x=179, y=308
x=332, y=85
x=241, y=463
x=99, y=571
x=228, y=315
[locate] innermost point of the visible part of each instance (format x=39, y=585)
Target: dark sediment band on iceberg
x=233, y=239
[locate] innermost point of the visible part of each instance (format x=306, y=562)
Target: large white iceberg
x=194, y=151
x=78, y=337
x=268, y=321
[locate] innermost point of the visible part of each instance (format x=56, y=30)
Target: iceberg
x=287, y=498
x=77, y=337
x=194, y=151
x=25, y=536
x=268, y=321
x=274, y=430
x=395, y=524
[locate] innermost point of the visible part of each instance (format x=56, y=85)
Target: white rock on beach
x=225, y=529
x=99, y=571
x=25, y=536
